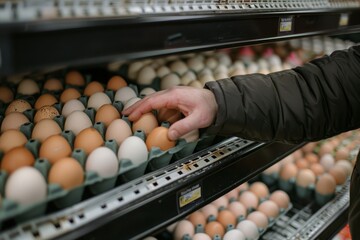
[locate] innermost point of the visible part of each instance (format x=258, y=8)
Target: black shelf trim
x=36, y=45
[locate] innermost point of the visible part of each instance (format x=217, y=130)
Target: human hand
x=197, y=105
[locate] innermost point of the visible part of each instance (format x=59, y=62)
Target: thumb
x=182, y=127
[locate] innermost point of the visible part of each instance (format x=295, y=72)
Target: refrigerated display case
x=42, y=36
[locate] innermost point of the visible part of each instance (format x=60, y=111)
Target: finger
x=183, y=127
x=154, y=102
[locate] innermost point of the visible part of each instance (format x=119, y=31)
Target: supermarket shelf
x=312, y=222
x=38, y=44
x=150, y=203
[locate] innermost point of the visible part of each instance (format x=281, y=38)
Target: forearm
x=308, y=103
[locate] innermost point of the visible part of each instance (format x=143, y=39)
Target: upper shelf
x=38, y=34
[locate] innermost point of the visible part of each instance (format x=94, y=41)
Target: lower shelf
x=148, y=204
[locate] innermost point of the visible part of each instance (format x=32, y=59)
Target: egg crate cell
x=121, y=197
x=308, y=221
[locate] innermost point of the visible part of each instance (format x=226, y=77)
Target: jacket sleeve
x=308, y=103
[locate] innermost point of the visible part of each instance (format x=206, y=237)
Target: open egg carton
x=53, y=118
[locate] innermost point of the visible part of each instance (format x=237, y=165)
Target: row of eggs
x=250, y=209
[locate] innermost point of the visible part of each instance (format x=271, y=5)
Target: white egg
x=206, y=78
x=124, y=94
x=26, y=186
x=249, y=229
x=72, y=106
x=224, y=59
x=179, y=67
x=118, y=130
x=134, y=149
x=196, y=64
x=234, y=234
x=28, y=87
x=211, y=63
x=221, y=75
x=201, y=236
x=131, y=102
x=162, y=71
x=221, y=69
x=327, y=161
x=188, y=77
x=146, y=75
x=169, y=81
x=252, y=68
x=146, y=91
x=195, y=84
x=134, y=69
x=182, y=228
x=97, y=100
x=103, y=161
x=77, y=121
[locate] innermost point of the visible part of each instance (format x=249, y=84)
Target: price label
x=344, y=20
x=189, y=196
x=286, y=24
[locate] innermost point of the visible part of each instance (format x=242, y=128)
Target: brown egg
x=69, y=94
x=45, y=128
x=16, y=158
x=317, y=169
x=243, y=187
x=259, y=189
x=326, y=184
x=13, y=120
x=45, y=100
x=55, y=148
x=159, y=138
x=280, y=198
x=214, y=228
x=6, y=95
x=197, y=218
x=53, y=84
x=339, y=174
x=312, y=158
x=18, y=105
x=92, y=88
x=297, y=154
x=275, y=168
x=288, y=171
x=45, y=112
x=147, y=122
x=326, y=148
x=168, y=115
x=106, y=114
x=259, y=218
x=233, y=194
x=342, y=153
x=74, y=78
x=269, y=208
x=305, y=177
x=289, y=159
x=67, y=172
x=115, y=83
x=301, y=163
x=11, y=139
x=88, y=139
x=249, y=199
x=309, y=148
x=225, y=218
x=348, y=167
x=118, y=130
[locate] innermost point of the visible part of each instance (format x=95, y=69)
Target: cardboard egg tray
x=61, y=198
